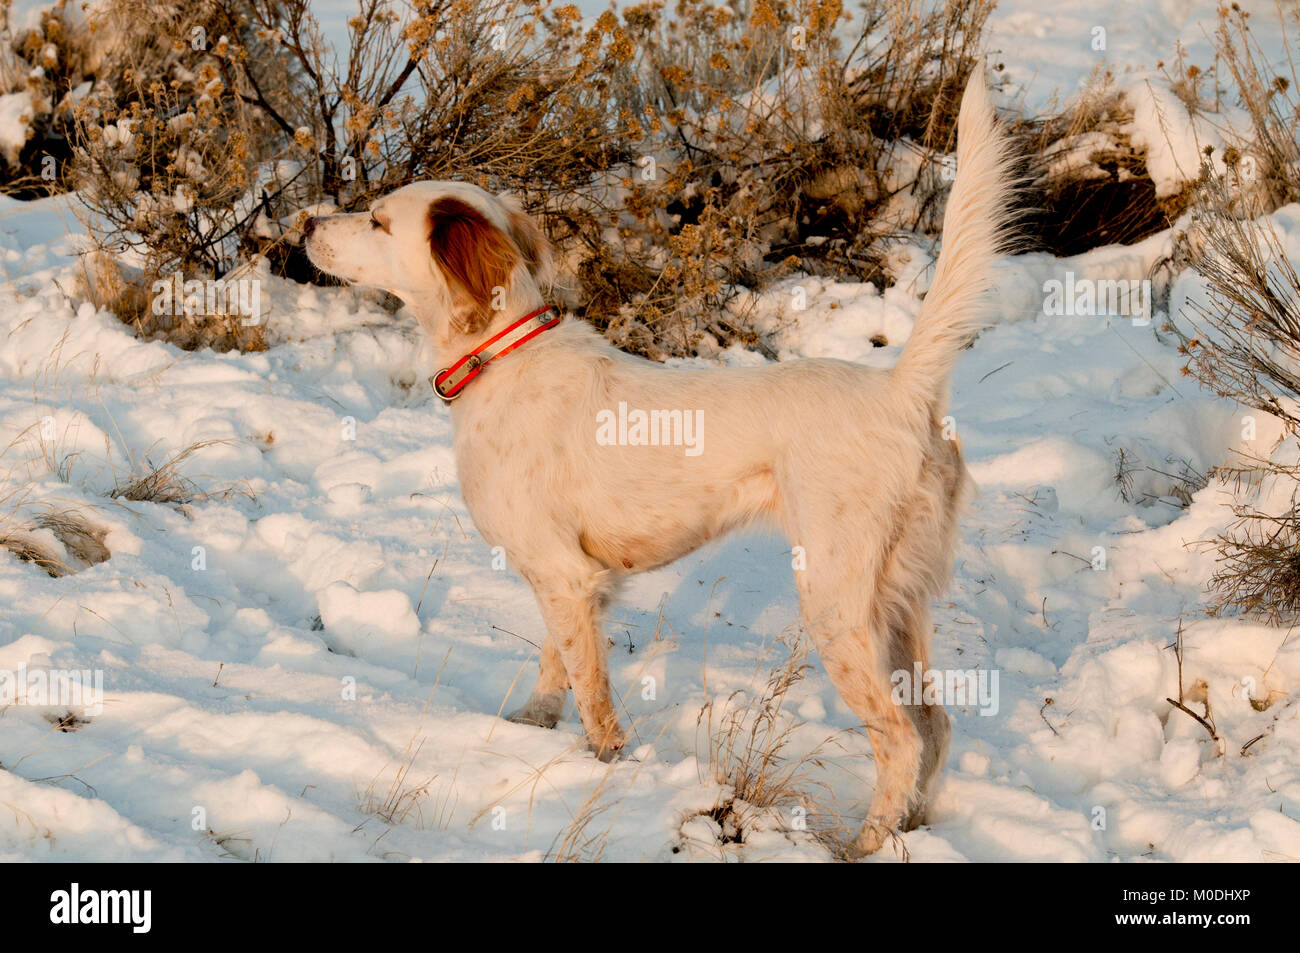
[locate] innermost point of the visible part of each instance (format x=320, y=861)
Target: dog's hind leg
x=546, y=704
x=854, y=647
x=571, y=606
x=910, y=644
x=918, y=569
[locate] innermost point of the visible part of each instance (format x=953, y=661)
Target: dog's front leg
x=546, y=704
x=572, y=613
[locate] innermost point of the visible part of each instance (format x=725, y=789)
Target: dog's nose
x=309, y=226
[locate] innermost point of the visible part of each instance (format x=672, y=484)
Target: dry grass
x=165, y=484
x=63, y=537
x=1174, y=481
x=60, y=536
x=585, y=841
x=749, y=750
x=753, y=755
x=401, y=799
x=60, y=539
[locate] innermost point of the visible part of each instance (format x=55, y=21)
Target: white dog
x=849, y=462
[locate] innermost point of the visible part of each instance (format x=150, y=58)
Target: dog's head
x=457, y=254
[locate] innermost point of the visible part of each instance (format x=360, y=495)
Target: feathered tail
x=974, y=236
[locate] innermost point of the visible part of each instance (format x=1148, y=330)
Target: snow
x=15, y=124
x=1049, y=55
x=308, y=663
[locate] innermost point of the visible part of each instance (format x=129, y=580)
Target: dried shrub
x=1269, y=99
x=768, y=149
x=235, y=120
x=207, y=134
x=1244, y=344
x=1086, y=184
x=1258, y=563
x=1243, y=341
x=43, y=71
x=675, y=157
x=678, y=157
x=169, y=165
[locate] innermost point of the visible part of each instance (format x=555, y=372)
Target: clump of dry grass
x=60, y=536
x=752, y=756
x=60, y=541
x=1257, y=568
x=127, y=292
x=762, y=775
x=1174, y=482
x=400, y=798
x=165, y=484
x=584, y=841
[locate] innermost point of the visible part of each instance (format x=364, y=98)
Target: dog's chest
x=502, y=470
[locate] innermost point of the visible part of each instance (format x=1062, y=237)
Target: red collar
x=450, y=381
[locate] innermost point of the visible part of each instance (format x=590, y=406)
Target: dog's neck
x=522, y=298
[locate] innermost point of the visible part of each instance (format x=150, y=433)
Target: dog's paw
x=608, y=746
x=540, y=711
x=533, y=717
x=874, y=835
x=608, y=754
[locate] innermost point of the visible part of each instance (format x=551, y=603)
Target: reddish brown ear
x=475, y=255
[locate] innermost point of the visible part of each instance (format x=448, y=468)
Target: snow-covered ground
x=309, y=664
